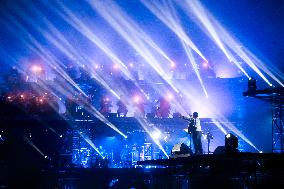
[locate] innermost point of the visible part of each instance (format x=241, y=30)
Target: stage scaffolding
x=277, y=123
x=275, y=95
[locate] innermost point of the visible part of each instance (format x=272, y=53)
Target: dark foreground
x=241, y=170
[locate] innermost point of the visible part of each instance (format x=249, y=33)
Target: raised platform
x=242, y=170
x=242, y=161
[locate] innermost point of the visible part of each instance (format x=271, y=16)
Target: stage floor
x=242, y=170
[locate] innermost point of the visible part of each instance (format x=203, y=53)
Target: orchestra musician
x=194, y=129
x=105, y=105
x=122, y=108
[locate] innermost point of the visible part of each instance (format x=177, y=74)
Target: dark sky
x=257, y=23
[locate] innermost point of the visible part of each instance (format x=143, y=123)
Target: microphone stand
x=190, y=139
x=209, y=137
x=189, y=130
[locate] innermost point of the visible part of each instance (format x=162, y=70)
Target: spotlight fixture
x=170, y=96
x=173, y=65
x=97, y=66
x=115, y=66
x=136, y=99
x=231, y=143
x=252, y=85
x=205, y=65
x=36, y=69
x=156, y=134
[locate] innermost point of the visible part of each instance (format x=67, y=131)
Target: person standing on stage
x=196, y=134
x=195, y=130
x=122, y=108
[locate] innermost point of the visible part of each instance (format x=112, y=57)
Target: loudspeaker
x=225, y=150
x=220, y=150
x=181, y=149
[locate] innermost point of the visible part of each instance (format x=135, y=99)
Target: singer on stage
x=194, y=129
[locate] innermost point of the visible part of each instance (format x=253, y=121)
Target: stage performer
x=122, y=108
x=194, y=129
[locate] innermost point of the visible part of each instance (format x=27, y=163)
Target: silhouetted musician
x=194, y=129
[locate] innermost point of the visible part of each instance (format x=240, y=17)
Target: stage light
x=218, y=125
x=170, y=96
x=136, y=99
x=167, y=14
x=224, y=40
x=165, y=138
x=156, y=134
x=134, y=35
x=173, y=65
x=252, y=85
x=231, y=143
x=204, y=137
x=191, y=59
x=205, y=65
x=228, y=135
x=27, y=140
x=36, y=69
x=115, y=66
x=97, y=66
x=87, y=31
x=92, y=144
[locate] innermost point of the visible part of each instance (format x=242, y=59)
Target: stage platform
x=241, y=170
x=235, y=163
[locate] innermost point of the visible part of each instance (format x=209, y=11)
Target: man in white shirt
x=194, y=129
x=197, y=134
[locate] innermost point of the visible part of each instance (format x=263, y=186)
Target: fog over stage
x=114, y=87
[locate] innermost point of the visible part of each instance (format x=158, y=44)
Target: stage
x=141, y=94
x=241, y=170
